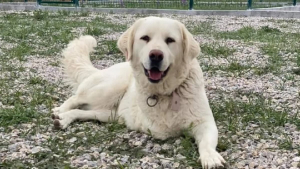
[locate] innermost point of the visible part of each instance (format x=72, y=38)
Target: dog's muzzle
x=154, y=74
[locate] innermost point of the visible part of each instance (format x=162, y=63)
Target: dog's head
x=160, y=48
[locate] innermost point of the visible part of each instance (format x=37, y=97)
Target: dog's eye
x=145, y=38
x=170, y=40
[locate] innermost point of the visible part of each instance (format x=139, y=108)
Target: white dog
x=159, y=90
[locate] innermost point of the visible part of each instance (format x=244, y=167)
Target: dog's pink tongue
x=155, y=75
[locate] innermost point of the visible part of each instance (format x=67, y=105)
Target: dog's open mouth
x=155, y=75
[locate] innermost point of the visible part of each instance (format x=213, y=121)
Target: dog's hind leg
x=63, y=120
x=69, y=104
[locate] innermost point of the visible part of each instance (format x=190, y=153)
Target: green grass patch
x=263, y=34
x=233, y=67
x=236, y=115
x=286, y=143
x=36, y=80
x=50, y=31
x=40, y=15
x=18, y=163
x=276, y=42
x=111, y=46
x=201, y=28
x=95, y=31
x=216, y=50
x=20, y=51
x=100, y=21
x=16, y=115
x=64, y=13
x=107, y=49
x=23, y=103
x=275, y=60
x=236, y=67
x=84, y=14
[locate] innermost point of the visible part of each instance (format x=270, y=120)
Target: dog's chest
x=165, y=118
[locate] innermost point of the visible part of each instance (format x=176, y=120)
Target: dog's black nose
x=156, y=55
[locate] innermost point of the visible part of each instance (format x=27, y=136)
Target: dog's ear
x=190, y=45
x=126, y=40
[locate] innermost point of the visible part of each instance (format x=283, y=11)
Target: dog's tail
x=76, y=62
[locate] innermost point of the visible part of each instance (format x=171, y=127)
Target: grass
x=20, y=51
x=216, y=50
x=108, y=50
x=42, y=15
x=111, y=46
x=286, y=143
x=23, y=104
x=95, y=31
x=257, y=111
x=275, y=60
x=232, y=67
x=17, y=115
x=236, y=67
x=201, y=28
x=47, y=27
x=236, y=116
x=264, y=34
x=276, y=42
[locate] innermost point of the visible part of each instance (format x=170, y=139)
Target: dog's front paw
x=61, y=121
x=56, y=111
x=210, y=159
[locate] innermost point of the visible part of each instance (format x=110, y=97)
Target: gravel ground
x=254, y=93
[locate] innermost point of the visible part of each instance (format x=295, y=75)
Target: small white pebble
x=72, y=140
x=296, y=159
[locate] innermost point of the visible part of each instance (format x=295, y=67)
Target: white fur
x=125, y=88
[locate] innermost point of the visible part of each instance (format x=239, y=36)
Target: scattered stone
x=72, y=140
x=296, y=159
x=138, y=143
x=36, y=150
x=13, y=147
x=156, y=148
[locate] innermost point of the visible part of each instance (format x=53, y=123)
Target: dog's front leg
x=206, y=136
